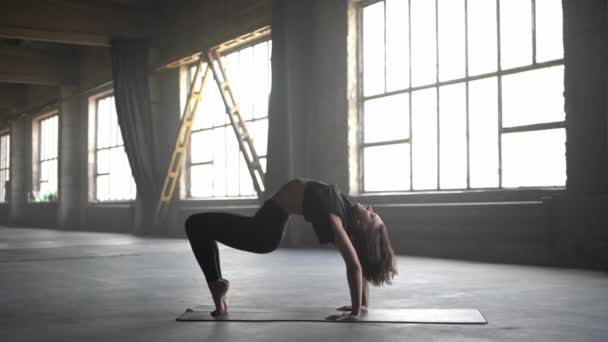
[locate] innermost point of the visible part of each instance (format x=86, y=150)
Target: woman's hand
x=350, y=308
x=343, y=317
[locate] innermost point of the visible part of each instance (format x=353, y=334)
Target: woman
x=356, y=230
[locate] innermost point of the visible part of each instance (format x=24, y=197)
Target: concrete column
x=19, y=172
x=585, y=91
x=580, y=218
x=70, y=159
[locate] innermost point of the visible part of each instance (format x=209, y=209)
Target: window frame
x=5, y=133
x=93, y=197
x=37, y=152
x=187, y=164
x=466, y=80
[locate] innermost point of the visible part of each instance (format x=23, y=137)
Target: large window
x=45, y=173
x=215, y=165
x=113, y=178
x=5, y=164
x=461, y=94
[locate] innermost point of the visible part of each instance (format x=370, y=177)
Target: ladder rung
x=234, y=110
x=196, y=95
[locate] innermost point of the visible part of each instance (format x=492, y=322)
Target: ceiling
x=40, y=39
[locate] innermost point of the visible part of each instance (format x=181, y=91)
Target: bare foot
x=218, y=290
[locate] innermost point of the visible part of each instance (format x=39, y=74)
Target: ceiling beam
x=74, y=22
x=37, y=66
x=76, y=38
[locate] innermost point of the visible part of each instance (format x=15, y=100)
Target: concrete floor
x=71, y=286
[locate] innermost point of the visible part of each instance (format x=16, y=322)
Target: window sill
x=111, y=204
x=460, y=196
x=219, y=203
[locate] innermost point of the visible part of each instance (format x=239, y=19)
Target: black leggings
x=261, y=233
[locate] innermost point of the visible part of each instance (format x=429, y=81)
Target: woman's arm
x=364, y=299
x=353, y=267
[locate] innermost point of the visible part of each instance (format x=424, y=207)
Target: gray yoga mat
x=252, y=314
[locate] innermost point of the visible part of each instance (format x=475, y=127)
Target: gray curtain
x=132, y=97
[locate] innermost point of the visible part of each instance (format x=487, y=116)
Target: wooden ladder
x=240, y=129
x=181, y=144
x=209, y=61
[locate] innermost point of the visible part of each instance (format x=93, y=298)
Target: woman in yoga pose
x=356, y=230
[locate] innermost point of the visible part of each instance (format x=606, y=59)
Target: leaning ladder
x=183, y=137
x=211, y=61
x=240, y=129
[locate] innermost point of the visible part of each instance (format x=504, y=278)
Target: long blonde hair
x=376, y=255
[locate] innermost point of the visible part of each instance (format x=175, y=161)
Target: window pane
x=453, y=137
x=247, y=188
x=451, y=39
x=259, y=132
x=533, y=97
x=515, y=33
x=536, y=158
x=205, y=111
x=8, y=153
x=233, y=72
x=113, y=129
x=424, y=66
x=103, y=133
x=549, y=41
x=102, y=186
x=43, y=141
x=247, y=84
x=5, y=152
x=483, y=132
x=3, y=179
x=219, y=162
x=373, y=49
x=52, y=183
x=424, y=139
x=233, y=154
x=378, y=177
x=397, y=45
x=116, y=178
x=386, y=118
x=261, y=90
x=201, y=147
x=103, y=161
x=2, y=152
x=482, y=36
x=201, y=181
x=44, y=171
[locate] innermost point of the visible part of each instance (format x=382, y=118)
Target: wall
x=537, y=227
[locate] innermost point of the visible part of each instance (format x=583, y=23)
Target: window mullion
x=409, y=51
x=437, y=107
x=499, y=95
x=466, y=68
x=534, y=32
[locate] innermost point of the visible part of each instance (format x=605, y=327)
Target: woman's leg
x=261, y=233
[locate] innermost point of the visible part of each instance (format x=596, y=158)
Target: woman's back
x=290, y=196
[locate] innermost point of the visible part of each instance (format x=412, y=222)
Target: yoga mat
x=253, y=314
